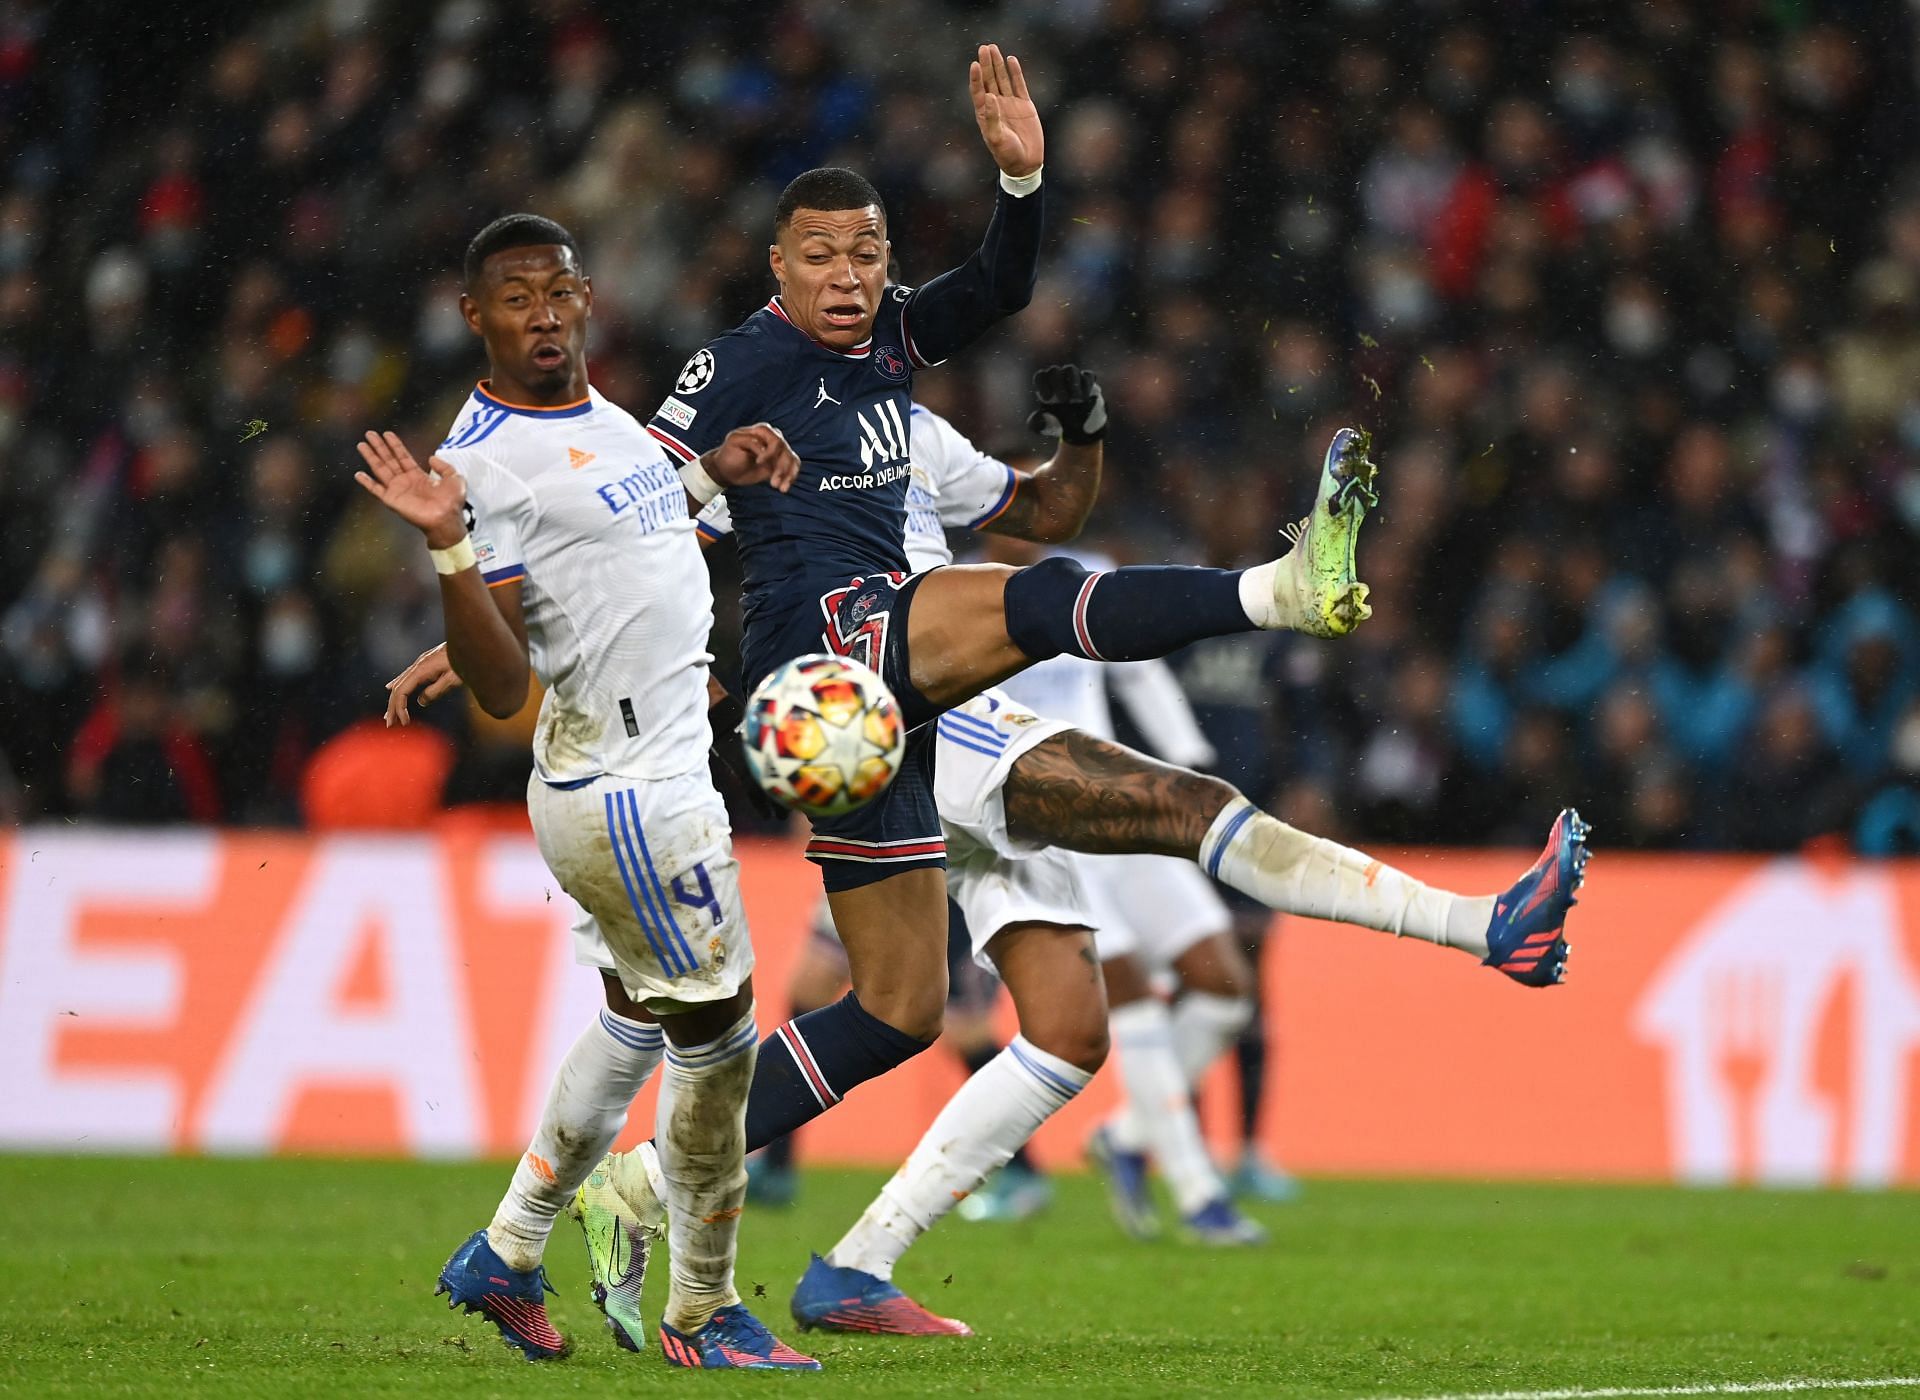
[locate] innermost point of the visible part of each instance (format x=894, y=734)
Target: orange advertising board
x=1726, y=1019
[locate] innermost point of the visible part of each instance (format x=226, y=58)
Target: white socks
x=701, y=1135
x=1288, y=870
x=1256, y=596
x=586, y=1109
x=995, y=1111
x=1158, y=1118
x=1204, y=1025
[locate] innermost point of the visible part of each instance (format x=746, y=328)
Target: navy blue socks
x=1127, y=614
x=809, y=1064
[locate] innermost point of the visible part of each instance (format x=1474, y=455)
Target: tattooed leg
x=1085, y=794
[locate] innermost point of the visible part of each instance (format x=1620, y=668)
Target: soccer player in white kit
x=561, y=534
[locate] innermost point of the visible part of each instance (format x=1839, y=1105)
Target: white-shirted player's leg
x=1055, y=984
x=1086, y=794
x=982, y=1125
x=1158, y=1118
x=1205, y=1024
x=651, y=862
x=701, y=1134
x=1288, y=869
x=586, y=1109
x=1178, y=921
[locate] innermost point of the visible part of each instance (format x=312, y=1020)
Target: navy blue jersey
x=845, y=412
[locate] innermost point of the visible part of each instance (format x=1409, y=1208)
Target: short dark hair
x=828, y=187
x=513, y=231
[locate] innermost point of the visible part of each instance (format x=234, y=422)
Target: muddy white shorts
x=996, y=880
x=1153, y=907
x=651, y=866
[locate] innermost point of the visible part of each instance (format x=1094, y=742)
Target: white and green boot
x=620, y=1234
x=1315, y=587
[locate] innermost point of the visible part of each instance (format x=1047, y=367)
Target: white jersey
x=586, y=510
x=953, y=483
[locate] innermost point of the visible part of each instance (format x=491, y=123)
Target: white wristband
x=454, y=557
x=1020, y=186
x=700, y=486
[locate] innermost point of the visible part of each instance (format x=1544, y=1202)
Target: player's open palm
x=433, y=501
x=1009, y=122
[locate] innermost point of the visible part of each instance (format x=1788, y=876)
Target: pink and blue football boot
x=1527, y=939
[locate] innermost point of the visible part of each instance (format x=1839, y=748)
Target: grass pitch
x=314, y=1278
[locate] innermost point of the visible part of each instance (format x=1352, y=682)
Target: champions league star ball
x=823, y=735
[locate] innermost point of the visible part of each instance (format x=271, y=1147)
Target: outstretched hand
x=434, y=502
x=751, y=455
x=429, y=677
x=1009, y=122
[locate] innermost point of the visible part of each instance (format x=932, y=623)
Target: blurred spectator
x=1866, y=673
x=135, y=759
x=1889, y=822
x=1786, y=790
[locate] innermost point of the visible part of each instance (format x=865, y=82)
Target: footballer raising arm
x=560, y=533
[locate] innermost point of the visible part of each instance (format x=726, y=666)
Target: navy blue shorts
x=866, y=619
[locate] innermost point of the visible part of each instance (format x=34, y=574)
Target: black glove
x=1071, y=405
x=725, y=715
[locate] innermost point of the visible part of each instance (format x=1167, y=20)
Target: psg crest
x=889, y=361
x=697, y=374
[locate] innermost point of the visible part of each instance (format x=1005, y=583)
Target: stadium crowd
x=1631, y=301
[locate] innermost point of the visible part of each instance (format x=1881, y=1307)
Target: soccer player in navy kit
x=829, y=362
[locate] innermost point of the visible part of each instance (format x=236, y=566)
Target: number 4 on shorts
x=699, y=894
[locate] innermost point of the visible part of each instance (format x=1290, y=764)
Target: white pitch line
x=1709, y=1388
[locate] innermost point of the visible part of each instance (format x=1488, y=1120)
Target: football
x=823, y=735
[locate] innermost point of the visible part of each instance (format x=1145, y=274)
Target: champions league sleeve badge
x=696, y=375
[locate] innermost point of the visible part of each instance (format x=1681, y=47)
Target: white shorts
x=996, y=880
x=1153, y=907
x=651, y=866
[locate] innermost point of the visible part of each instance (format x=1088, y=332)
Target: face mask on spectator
x=289, y=641
x=1635, y=326
x=441, y=331
x=1906, y=744
x=1585, y=94
x=1799, y=394
x=270, y=563
x=1399, y=296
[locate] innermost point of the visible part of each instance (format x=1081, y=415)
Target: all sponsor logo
x=884, y=437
